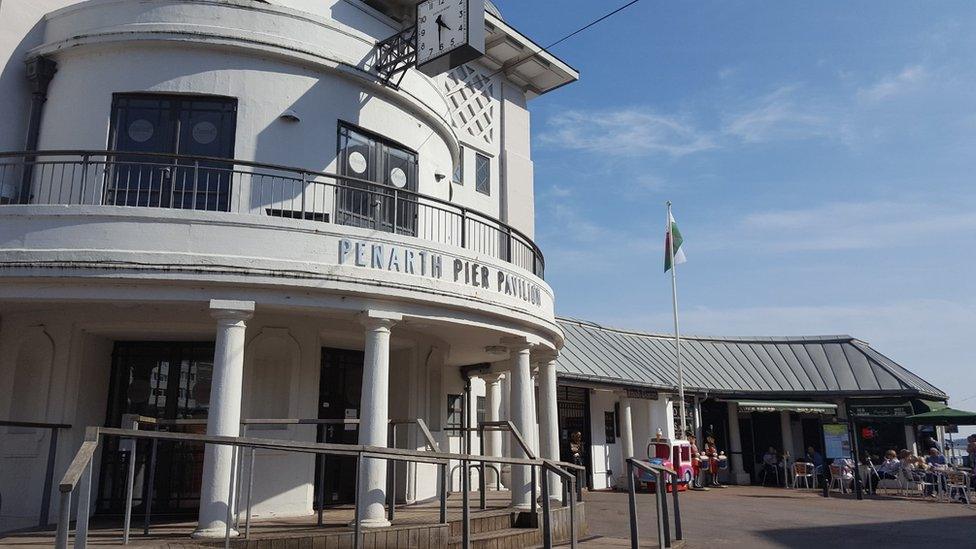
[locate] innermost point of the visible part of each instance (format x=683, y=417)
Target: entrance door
x=340, y=391
x=171, y=124
x=379, y=207
x=574, y=417
x=161, y=380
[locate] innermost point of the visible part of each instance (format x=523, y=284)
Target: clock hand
x=440, y=23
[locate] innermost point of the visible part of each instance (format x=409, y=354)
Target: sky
x=820, y=157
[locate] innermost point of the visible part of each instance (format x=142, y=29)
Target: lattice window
x=470, y=96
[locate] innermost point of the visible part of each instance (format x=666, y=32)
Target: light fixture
x=439, y=176
x=290, y=116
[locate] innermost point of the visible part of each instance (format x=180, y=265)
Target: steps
x=497, y=529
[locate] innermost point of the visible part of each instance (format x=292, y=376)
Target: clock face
x=442, y=27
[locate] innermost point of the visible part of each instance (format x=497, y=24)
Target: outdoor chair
x=841, y=477
x=766, y=471
x=805, y=472
x=957, y=484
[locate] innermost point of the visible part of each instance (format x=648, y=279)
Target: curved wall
x=105, y=243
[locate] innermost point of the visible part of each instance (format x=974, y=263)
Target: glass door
x=170, y=124
x=162, y=380
x=340, y=393
x=392, y=168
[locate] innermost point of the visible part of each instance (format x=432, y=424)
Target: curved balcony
x=151, y=180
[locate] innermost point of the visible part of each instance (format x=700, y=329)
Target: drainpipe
x=40, y=72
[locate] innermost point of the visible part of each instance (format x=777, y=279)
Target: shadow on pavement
x=944, y=532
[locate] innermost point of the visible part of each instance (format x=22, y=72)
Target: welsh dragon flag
x=673, y=235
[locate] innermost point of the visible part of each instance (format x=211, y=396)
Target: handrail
x=216, y=165
x=77, y=466
x=79, y=472
x=33, y=424
x=660, y=501
x=506, y=425
x=420, y=423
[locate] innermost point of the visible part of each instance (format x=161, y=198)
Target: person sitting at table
x=771, y=464
x=816, y=458
x=935, y=459
x=888, y=470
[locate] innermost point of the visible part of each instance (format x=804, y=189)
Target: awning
x=945, y=416
x=825, y=408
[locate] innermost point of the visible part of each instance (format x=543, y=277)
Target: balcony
x=150, y=180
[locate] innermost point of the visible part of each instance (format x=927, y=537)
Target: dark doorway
x=812, y=433
x=714, y=416
x=162, y=380
x=574, y=416
x=340, y=392
x=171, y=124
x=767, y=430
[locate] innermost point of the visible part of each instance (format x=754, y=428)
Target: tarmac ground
x=757, y=517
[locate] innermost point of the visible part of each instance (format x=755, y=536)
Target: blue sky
x=820, y=157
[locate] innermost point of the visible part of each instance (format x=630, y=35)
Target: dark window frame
x=356, y=199
x=458, y=177
x=482, y=186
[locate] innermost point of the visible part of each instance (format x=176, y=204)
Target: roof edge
x=840, y=338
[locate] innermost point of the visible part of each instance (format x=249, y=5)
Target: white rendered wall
x=22, y=29
x=605, y=457
x=74, y=389
x=100, y=49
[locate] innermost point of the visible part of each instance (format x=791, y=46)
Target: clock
x=450, y=33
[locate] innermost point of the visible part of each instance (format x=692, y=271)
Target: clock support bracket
x=395, y=56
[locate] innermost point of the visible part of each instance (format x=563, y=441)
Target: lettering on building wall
x=402, y=259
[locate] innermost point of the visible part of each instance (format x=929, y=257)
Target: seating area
x=903, y=475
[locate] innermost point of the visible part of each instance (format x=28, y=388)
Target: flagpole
x=677, y=334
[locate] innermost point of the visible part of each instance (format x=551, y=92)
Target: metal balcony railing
x=152, y=180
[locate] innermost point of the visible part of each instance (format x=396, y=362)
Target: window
x=372, y=158
x=171, y=124
x=483, y=174
x=455, y=414
x=459, y=169
x=482, y=410
x=609, y=426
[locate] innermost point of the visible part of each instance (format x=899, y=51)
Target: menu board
x=837, y=441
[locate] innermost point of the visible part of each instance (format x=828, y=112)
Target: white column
x=374, y=418
x=626, y=435
x=521, y=415
x=738, y=473
x=224, y=418
x=505, y=413
x=786, y=426
x=493, y=438
x=549, y=420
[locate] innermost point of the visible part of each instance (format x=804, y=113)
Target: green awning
x=921, y=405
x=945, y=416
x=799, y=407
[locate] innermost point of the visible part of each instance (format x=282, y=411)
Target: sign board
x=880, y=411
x=637, y=392
x=406, y=260
x=837, y=441
x=449, y=34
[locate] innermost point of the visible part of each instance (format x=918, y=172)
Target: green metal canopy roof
x=755, y=367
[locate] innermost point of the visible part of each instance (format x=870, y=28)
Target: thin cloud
x=778, y=116
x=908, y=79
x=625, y=132
x=843, y=226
